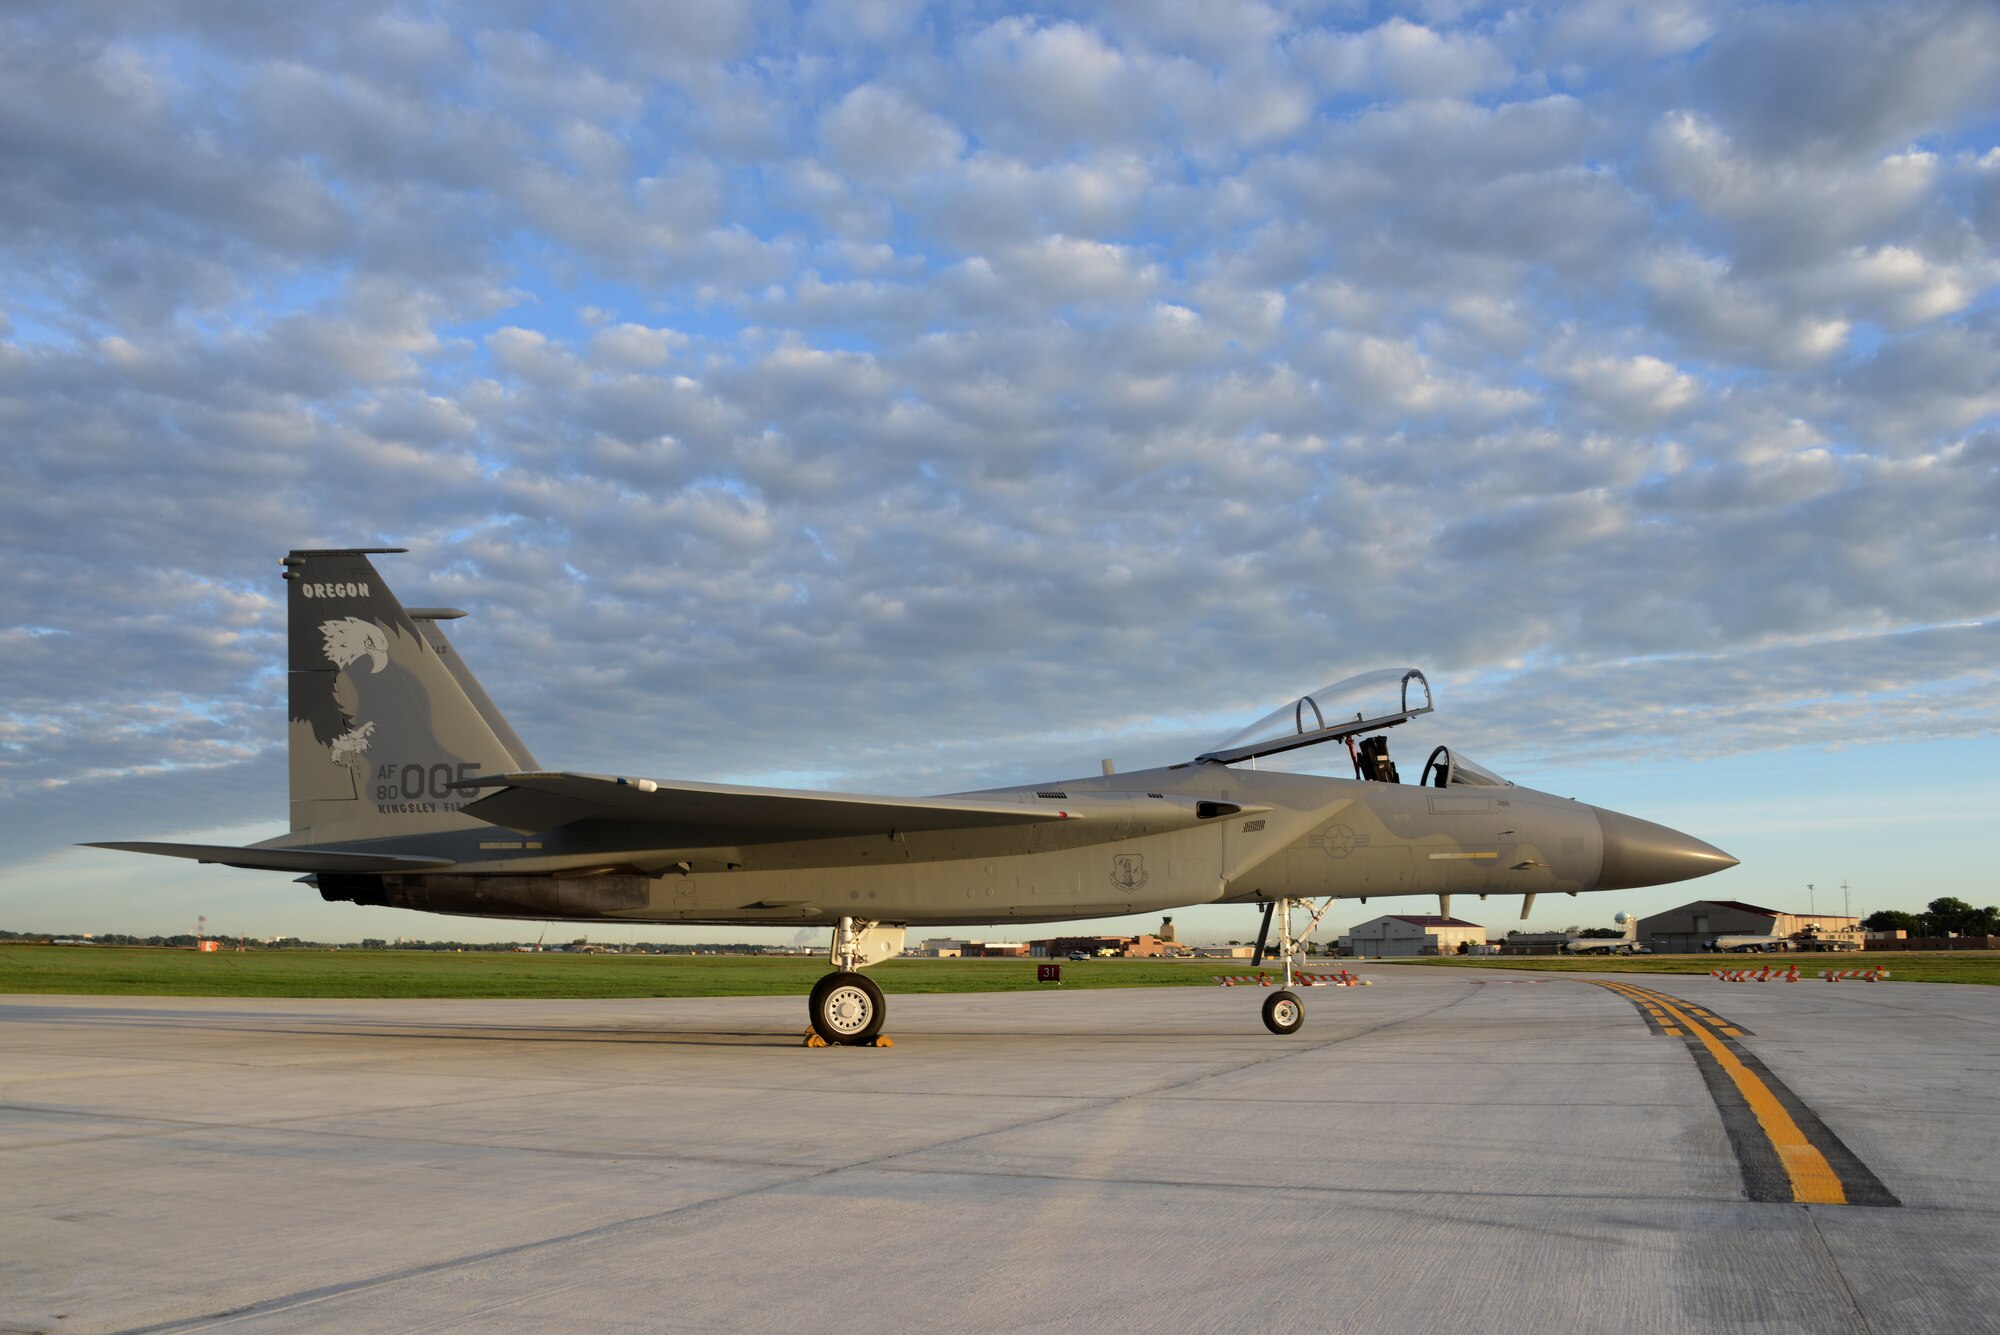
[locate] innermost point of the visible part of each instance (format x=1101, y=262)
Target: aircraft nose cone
x=1639, y=853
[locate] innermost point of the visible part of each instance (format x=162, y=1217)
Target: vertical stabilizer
x=383, y=717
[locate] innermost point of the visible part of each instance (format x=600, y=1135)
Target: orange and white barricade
x=1341, y=979
x=1767, y=974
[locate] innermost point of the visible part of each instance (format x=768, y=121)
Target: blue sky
x=909, y=398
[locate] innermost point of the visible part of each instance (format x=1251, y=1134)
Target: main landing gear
x=846, y=1008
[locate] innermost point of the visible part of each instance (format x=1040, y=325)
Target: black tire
x=847, y=1008
x=1283, y=1012
x=819, y=990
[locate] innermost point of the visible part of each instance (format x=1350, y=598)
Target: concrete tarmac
x=1446, y=1150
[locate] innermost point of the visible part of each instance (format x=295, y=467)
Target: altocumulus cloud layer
x=904, y=396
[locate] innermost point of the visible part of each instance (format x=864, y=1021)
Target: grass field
x=1914, y=966
x=148, y=971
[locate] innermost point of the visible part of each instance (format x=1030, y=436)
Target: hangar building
x=1413, y=934
x=1689, y=928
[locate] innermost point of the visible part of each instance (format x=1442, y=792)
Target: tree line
x=1946, y=916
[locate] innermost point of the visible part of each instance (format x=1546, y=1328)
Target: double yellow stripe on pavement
x=1813, y=1180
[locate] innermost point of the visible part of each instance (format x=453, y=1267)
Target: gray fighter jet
x=408, y=789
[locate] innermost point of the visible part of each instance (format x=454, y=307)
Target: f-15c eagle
x=408, y=789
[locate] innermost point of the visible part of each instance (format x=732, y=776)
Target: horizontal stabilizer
x=534, y=802
x=283, y=859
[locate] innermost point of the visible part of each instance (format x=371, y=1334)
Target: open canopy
x=1367, y=703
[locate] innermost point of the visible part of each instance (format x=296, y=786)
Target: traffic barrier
x=1767, y=974
x=1341, y=979
x=1875, y=975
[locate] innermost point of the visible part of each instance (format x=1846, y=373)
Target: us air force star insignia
x=1339, y=841
x=1128, y=871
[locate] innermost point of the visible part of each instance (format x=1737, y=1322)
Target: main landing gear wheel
x=1283, y=1014
x=847, y=1007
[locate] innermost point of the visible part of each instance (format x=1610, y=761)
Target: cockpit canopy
x=1367, y=703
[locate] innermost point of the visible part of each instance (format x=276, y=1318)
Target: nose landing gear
x=1284, y=1013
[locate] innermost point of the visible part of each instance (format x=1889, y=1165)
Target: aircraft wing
x=284, y=859
x=531, y=803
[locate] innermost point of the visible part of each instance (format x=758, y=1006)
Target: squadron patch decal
x=1128, y=871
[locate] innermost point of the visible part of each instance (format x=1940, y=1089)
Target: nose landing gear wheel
x=847, y=1008
x=1282, y=1013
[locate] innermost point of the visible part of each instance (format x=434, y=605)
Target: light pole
x=1811, y=912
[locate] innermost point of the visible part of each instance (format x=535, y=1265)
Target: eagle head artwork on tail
x=351, y=638
x=347, y=641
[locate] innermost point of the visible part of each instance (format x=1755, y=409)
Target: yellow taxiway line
x=1813, y=1180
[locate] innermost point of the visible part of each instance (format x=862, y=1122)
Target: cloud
x=1040, y=89
x=1852, y=82
x=1405, y=59
x=1636, y=392
x=1064, y=269
x=1779, y=212
x=1892, y=285
x=879, y=134
x=1936, y=382
x=1730, y=320
x=1616, y=32
x=997, y=201
x=1389, y=381
x=634, y=347
x=1062, y=82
